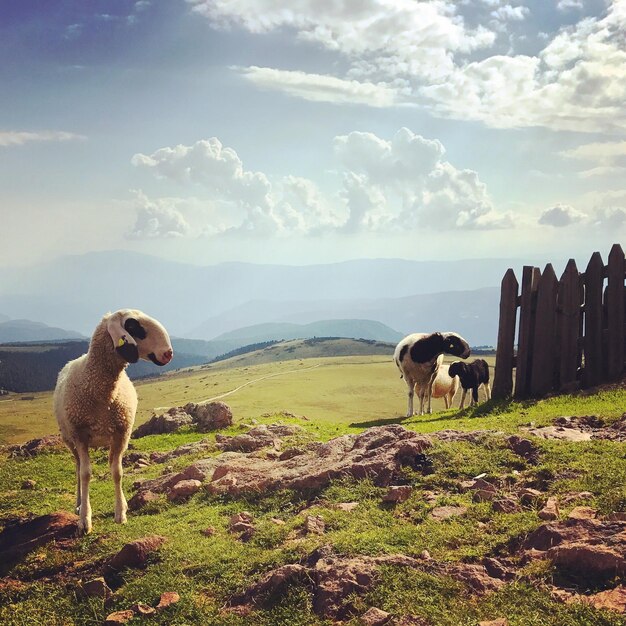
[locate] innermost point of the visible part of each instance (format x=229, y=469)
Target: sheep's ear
x=135, y=329
x=123, y=341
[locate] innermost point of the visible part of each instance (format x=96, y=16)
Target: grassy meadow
x=337, y=395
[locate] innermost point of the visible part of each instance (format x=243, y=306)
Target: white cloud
x=157, y=218
x=511, y=13
x=321, y=88
x=566, y=5
x=612, y=218
x=19, y=138
x=561, y=215
x=609, y=158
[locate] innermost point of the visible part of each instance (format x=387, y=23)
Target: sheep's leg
x=488, y=391
x=474, y=395
x=462, y=405
x=411, y=393
x=115, y=463
x=422, y=394
x=446, y=401
x=77, y=464
x=84, y=523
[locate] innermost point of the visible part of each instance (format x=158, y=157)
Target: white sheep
x=418, y=359
x=444, y=386
x=95, y=401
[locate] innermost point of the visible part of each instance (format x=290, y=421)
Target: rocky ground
x=382, y=526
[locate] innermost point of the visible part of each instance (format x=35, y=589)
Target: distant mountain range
x=26, y=330
x=206, y=302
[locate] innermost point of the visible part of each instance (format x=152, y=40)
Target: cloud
x=611, y=218
x=427, y=53
x=560, y=216
x=609, y=158
x=157, y=219
x=19, y=138
x=566, y=5
x=321, y=88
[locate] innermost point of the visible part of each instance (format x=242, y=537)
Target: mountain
x=353, y=329
x=4, y=318
x=75, y=291
x=25, y=330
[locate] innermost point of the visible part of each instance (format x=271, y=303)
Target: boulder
x=183, y=490
x=314, y=525
x=612, y=599
x=136, y=553
x=204, y=445
x=33, y=447
x=167, y=599
x=375, y=617
x=260, y=437
x=398, y=494
x=119, y=617
x=19, y=539
x=96, y=588
x=524, y=448
x=168, y=422
x=550, y=510
x=506, y=505
x=211, y=416
x=441, y=513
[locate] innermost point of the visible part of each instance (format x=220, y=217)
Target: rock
x=33, y=447
x=168, y=422
x=374, y=617
x=619, y=516
x=135, y=458
x=558, y=432
x=411, y=620
x=568, y=498
x=346, y=506
x=183, y=490
x=581, y=513
x=478, y=484
x=211, y=416
x=141, y=499
x=167, y=599
x=550, y=510
x=136, y=553
x=501, y=621
x=590, y=559
x=209, y=531
x=259, y=437
x=612, y=599
x=119, y=617
x=398, y=494
x=506, y=505
x=496, y=569
x=28, y=484
x=524, y=448
x=530, y=496
x=204, y=445
x=142, y=609
x=96, y=588
x=314, y=525
x=475, y=577
x=19, y=539
x=378, y=453
x=242, y=523
x=484, y=495
x=472, y=436
x=290, y=453
x=441, y=513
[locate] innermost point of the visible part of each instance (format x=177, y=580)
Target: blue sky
x=308, y=131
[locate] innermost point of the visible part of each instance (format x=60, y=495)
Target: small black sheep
x=472, y=376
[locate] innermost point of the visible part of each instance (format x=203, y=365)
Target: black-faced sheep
x=95, y=401
x=418, y=359
x=472, y=376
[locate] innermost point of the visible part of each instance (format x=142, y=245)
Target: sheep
x=95, y=401
x=445, y=386
x=472, y=376
x=417, y=358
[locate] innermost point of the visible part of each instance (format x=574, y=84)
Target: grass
x=343, y=395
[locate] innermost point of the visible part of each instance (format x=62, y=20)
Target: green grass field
x=337, y=395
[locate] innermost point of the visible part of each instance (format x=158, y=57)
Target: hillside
x=26, y=330
x=369, y=525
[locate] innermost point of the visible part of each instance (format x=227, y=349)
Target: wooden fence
x=570, y=331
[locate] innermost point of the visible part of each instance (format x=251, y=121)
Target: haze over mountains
x=73, y=292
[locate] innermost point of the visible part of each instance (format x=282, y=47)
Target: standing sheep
x=472, y=376
x=417, y=358
x=445, y=386
x=95, y=401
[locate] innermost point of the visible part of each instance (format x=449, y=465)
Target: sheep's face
x=456, y=345
x=455, y=369
x=137, y=336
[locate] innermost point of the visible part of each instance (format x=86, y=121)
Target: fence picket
x=592, y=342
x=543, y=353
x=615, y=313
x=530, y=281
x=503, y=378
x=568, y=325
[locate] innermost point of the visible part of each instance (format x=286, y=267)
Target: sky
x=312, y=131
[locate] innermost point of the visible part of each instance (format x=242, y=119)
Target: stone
x=136, y=553
x=29, y=484
x=550, y=511
x=568, y=498
x=612, y=599
x=529, y=496
x=478, y=484
x=170, y=421
x=314, y=525
x=96, y=588
x=558, y=432
x=581, y=513
x=167, y=599
x=183, y=490
x=34, y=447
x=441, y=513
x=195, y=447
x=524, y=448
x=346, y=506
x=143, y=609
x=119, y=617
x=501, y=621
x=209, y=531
x=277, y=521
x=398, y=494
x=506, y=505
x=141, y=499
x=23, y=537
x=260, y=437
x=211, y=416
x=374, y=617
x=476, y=577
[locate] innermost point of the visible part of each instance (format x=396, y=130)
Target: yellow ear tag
x=120, y=343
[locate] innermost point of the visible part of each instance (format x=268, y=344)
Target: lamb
x=418, y=359
x=472, y=376
x=95, y=401
x=445, y=386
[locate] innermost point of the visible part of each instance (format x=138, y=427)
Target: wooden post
x=530, y=281
x=615, y=312
x=568, y=323
x=543, y=357
x=592, y=343
x=503, y=378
